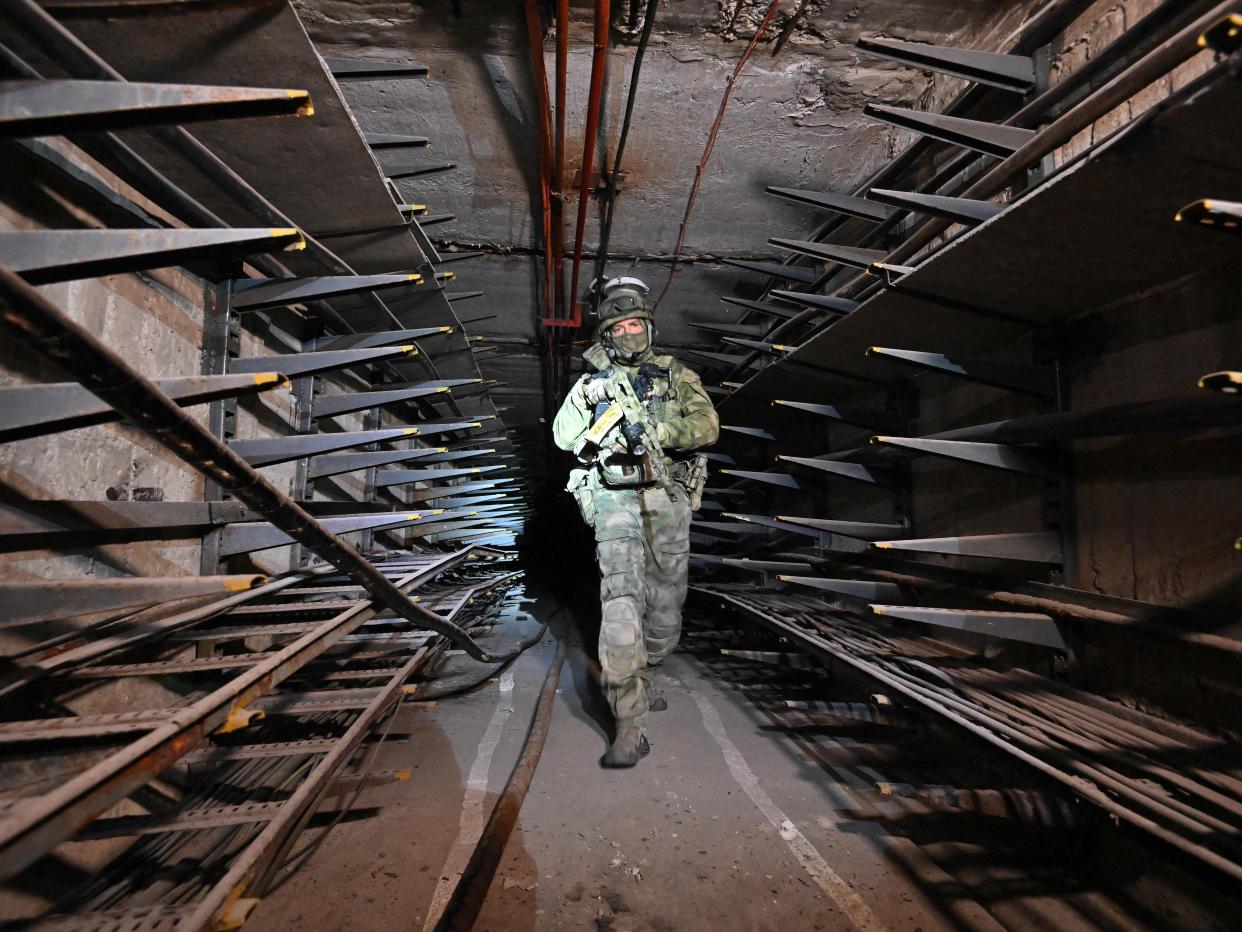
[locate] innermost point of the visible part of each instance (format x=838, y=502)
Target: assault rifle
x=626, y=410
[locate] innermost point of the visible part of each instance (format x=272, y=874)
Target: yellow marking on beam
x=412, y=432
x=441, y=390
x=269, y=378
x=242, y=583
x=883, y=545
x=307, y=109
x=239, y=717
x=878, y=609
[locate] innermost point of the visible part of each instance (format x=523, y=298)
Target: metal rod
x=51, y=333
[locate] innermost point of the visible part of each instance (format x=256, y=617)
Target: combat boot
x=627, y=747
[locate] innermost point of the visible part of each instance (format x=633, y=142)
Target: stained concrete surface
x=731, y=823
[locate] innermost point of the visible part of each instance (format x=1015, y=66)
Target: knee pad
x=620, y=634
x=619, y=623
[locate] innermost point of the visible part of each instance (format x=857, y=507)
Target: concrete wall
x=156, y=321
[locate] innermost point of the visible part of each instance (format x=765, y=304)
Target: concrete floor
x=729, y=824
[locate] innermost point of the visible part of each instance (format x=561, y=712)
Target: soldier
x=634, y=424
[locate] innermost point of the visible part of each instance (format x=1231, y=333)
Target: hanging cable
x=612, y=177
x=711, y=140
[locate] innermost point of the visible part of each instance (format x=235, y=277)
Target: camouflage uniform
x=642, y=535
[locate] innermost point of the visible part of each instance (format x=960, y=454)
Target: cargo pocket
x=580, y=488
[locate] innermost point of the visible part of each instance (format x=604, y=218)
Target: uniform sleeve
x=573, y=419
x=699, y=426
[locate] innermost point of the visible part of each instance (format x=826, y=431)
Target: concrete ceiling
x=795, y=120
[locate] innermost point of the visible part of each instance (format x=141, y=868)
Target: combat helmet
x=623, y=298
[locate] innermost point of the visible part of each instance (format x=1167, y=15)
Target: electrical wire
x=711, y=140
x=613, y=176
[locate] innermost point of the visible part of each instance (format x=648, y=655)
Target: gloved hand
x=597, y=391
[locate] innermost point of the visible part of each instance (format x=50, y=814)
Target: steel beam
x=46, y=256
x=757, y=432
x=1030, y=547
x=336, y=405
x=383, y=338
x=56, y=108
x=854, y=588
x=820, y=302
x=414, y=171
x=863, y=530
x=35, y=410
x=496, y=499
x=874, y=420
x=319, y=467
x=989, y=138
x=1228, y=383
x=716, y=360
x=783, y=480
x=789, y=273
x=446, y=257
x=857, y=207
x=260, y=535
x=766, y=566
x=830, y=252
x=819, y=713
x=423, y=495
x=1030, y=380
x=394, y=141
x=272, y=450
x=390, y=477
x=762, y=307
x=303, y=364
x=261, y=294
x=23, y=603
x=997, y=455
x=1008, y=72
x=1026, y=627
x=1214, y=214
x=957, y=209
x=361, y=68
x=452, y=456
x=729, y=527
x=775, y=349
x=855, y=471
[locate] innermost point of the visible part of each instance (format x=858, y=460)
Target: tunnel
x=732, y=465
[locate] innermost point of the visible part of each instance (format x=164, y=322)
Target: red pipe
x=558, y=170
x=534, y=32
x=602, y=11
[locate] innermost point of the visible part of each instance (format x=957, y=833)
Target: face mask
x=631, y=344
